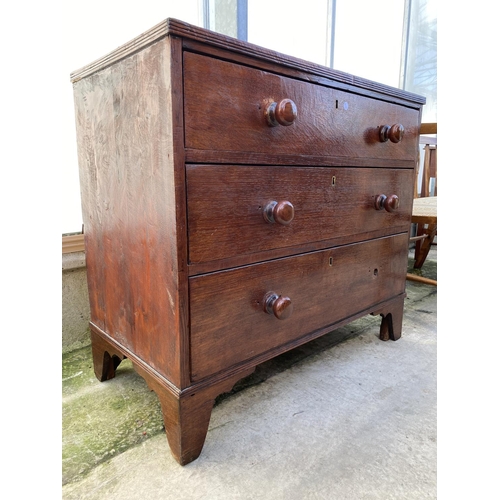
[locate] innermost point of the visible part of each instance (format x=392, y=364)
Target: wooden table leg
x=422, y=247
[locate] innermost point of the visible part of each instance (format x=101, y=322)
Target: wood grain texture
x=328, y=203
x=425, y=210
x=225, y=110
x=428, y=128
x=313, y=160
x=195, y=269
x=130, y=200
x=229, y=326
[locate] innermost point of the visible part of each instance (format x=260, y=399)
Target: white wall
x=91, y=30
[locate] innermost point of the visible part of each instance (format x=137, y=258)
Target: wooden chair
x=424, y=213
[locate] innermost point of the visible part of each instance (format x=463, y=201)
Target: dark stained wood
x=279, y=212
x=423, y=246
x=389, y=203
x=394, y=133
x=229, y=196
x=187, y=416
x=328, y=122
x=228, y=324
x=132, y=199
x=276, y=253
x=314, y=160
x=225, y=200
x=392, y=318
x=106, y=358
x=283, y=113
x=278, y=305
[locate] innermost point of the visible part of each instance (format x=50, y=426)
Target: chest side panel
x=132, y=196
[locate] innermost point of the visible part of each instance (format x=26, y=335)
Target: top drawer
x=225, y=110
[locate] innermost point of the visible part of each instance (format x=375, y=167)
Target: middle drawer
x=238, y=210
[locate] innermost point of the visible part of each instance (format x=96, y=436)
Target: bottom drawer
x=229, y=320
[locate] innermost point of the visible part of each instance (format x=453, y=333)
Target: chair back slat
x=428, y=176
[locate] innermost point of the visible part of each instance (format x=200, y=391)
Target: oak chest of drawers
x=237, y=203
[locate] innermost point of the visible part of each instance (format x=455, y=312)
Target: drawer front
x=225, y=111
x=227, y=206
x=228, y=321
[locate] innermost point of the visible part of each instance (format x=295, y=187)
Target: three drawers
x=341, y=226
x=230, y=325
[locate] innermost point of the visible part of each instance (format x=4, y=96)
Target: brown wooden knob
x=283, y=113
x=281, y=212
x=392, y=133
x=389, y=203
x=281, y=307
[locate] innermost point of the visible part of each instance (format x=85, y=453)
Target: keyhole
x=330, y=261
x=375, y=272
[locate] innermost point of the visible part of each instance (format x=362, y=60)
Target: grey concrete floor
x=344, y=417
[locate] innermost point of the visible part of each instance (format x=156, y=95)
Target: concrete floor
x=344, y=417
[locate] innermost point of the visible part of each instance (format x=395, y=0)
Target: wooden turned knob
x=283, y=113
x=281, y=307
x=279, y=211
x=389, y=203
x=392, y=133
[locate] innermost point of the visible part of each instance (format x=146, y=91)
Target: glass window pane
x=368, y=38
x=420, y=71
x=222, y=15
x=299, y=29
